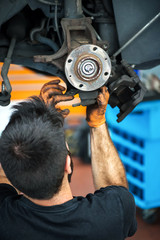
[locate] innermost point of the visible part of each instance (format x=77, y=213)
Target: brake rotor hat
x=88, y=67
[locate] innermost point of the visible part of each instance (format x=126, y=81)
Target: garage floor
x=82, y=184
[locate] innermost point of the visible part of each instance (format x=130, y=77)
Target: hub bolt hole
x=106, y=73
x=69, y=60
x=95, y=48
x=81, y=85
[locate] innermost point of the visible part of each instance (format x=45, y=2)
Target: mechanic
x=36, y=201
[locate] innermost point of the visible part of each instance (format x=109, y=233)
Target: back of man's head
x=33, y=150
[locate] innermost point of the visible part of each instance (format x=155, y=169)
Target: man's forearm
x=107, y=167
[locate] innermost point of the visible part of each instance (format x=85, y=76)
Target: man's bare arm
x=107, y=167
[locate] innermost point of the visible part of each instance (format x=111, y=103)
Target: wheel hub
x=88, y=67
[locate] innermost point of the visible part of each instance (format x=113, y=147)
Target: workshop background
x=137, y=140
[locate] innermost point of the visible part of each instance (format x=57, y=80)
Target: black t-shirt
x=107, y=214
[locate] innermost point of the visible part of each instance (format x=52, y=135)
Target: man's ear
x=68, y=165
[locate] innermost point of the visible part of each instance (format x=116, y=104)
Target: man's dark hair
x=33, y=149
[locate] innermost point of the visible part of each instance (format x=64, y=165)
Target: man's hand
x=96, y=112
x=52, y=94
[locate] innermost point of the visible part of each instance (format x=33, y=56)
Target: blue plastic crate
x=143, y=122
x=139, y=149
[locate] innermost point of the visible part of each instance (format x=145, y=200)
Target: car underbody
x=86, y=43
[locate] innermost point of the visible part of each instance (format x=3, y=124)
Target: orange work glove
x=96, y=112
x=52, y=94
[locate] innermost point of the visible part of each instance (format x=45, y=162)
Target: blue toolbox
x=137, y=139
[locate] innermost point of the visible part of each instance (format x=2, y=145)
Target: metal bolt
x=88, y=68
x=105, y=46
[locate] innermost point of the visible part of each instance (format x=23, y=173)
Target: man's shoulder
x=118, y=206
x=110, y=192
x=113, y=197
